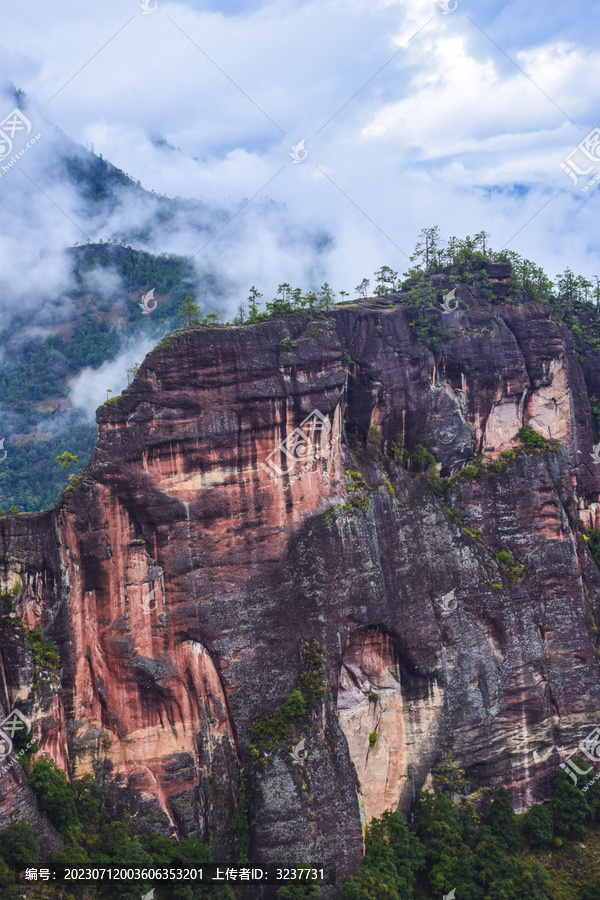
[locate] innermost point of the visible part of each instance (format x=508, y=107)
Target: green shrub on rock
x=19, y=846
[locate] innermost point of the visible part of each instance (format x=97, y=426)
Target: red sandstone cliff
x=182, y=573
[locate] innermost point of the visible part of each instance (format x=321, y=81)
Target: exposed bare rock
x=215, y=529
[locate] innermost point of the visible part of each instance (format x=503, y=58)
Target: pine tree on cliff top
x=190, y=313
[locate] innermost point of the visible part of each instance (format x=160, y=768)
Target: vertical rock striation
x=239, y=502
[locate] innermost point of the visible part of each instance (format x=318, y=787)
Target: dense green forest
x=35, y=374
x=481, y=849
x=30, y=477
x=474, y=845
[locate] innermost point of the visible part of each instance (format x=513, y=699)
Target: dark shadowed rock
x=222, y=523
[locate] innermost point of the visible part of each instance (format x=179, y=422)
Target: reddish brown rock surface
x=181, y=575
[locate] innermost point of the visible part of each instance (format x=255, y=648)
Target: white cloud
x=88, y=390
x=102, y=281
x=448, y=132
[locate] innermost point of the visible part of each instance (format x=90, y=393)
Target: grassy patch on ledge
x=286, y=722
x=479, y=469
x=531, y=441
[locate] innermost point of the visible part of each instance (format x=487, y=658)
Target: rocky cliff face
x=240, y=503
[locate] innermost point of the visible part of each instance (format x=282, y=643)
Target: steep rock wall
x=215, y=530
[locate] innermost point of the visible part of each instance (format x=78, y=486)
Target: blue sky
x=410, y=118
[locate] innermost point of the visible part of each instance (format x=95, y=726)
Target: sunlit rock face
x=389, y=717
x=216, y=531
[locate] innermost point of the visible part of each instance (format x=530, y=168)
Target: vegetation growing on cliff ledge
x=285, y=722
x=479, y=847
x=473, y=843
x=593, y=536
x=7, y=598
x=35, y=374
x=461, y=261
x=529, y=439
x=44, y=651
x=278, y=725
x=79, y=811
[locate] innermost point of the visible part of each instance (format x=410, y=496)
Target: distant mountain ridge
x=36, y=372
